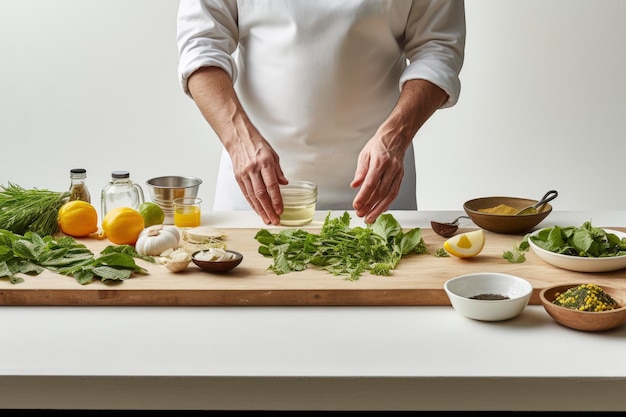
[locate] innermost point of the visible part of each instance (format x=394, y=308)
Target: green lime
x=152, y=214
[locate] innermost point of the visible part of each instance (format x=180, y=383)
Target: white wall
x=93, y=84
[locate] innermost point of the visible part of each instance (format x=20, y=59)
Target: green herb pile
x=584, y=241
x=35, y=210
x=518, y=254
x=31, y=254
x=586, y=297
x=341, y=250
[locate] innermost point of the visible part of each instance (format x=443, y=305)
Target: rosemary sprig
x=30, y=210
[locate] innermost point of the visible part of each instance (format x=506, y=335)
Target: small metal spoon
x=447, y=229
x=549, y=196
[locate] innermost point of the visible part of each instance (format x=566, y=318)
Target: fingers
x=267, y=193
x=379, y=174
x=247, y=189
x=260, y=184
x=360, y=173
x=373, y=199
x=273, y=179
x=263, y=197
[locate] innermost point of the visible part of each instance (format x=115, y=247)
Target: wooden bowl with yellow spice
x=497, y=214
x=585, y=306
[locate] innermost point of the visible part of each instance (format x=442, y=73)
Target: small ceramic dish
x=505, y=223
x=488, y=296
x=584, y=320
x=580, y=263
x=216, y=265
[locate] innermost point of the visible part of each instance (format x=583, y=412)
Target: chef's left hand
x=379, y=173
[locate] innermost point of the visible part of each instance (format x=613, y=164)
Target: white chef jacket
x=318, y=77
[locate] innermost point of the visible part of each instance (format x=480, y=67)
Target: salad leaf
x=584, y=240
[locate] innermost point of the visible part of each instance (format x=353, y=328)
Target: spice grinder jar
x=299, y=200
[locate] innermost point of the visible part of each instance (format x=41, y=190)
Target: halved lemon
x=465, y=245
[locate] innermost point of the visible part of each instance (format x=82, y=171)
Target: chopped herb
x=586, y=297
x=490, y=297
x=340, y=249
x=518, y=254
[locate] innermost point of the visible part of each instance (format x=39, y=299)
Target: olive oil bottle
x=121, y=192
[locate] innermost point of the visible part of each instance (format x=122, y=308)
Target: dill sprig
x=30, y=210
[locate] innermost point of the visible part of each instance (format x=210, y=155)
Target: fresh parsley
x=518, y=254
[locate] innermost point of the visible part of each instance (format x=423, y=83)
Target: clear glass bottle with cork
x=121, y=192
x=78, y=185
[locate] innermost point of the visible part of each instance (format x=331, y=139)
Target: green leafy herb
x=441, y=253
x=585, y=241
x=128, y=250
x=31, y=254
x=518, y=254
x=340, y=249
x=35, y=210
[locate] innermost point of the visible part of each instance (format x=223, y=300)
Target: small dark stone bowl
x=218, y=266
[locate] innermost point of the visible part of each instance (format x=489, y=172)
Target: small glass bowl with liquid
x=299, y=200
x=187, y=212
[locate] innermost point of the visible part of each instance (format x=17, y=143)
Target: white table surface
x=309, y=358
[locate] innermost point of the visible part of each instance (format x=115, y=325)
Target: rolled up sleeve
x=435, y=45
x=207, y=35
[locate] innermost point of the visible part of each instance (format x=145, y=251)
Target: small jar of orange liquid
x=187, y=212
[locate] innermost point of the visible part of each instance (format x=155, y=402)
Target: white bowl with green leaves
x=581, y=249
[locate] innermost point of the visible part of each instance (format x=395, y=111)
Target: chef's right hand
x=259, y=175
x=255, y=164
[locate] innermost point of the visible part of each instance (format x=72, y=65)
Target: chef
x=326, y=91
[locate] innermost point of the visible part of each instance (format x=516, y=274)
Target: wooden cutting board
x=418, y=280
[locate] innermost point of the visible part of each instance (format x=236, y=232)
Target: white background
x=93, y=84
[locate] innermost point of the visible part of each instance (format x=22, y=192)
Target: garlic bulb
x=154, y=240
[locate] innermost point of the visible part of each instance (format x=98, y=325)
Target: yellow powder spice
x=500, y=209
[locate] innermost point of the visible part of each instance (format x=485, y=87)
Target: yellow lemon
x=465, y=245
x=78, y=218
x=122, y=225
